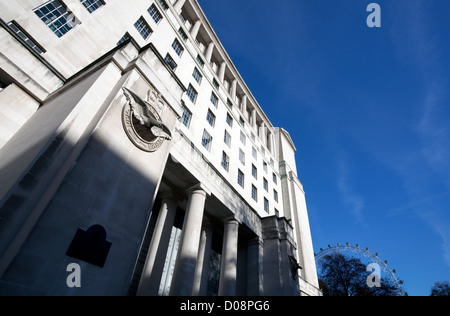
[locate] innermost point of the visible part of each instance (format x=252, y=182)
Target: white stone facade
x=217, y=209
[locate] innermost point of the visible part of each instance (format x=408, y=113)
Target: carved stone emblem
x=142, y=121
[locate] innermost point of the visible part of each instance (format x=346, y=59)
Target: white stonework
x=216, y=208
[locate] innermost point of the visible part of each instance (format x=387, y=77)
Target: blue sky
x=369, y=111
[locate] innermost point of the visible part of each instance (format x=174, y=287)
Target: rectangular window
x=266, y=205
x=266, y=184
x=215, y=84
x=241, y=178
x=214, y=100
x=225, y=161
x=169, y=61
x=265, y=166
x=200, y=61
x=274, y=177
x=243, y=138
x=230, y=104
x=155, y=14
x=275, y=195
x=227, y=139
x=254, y=153
x=186, y=118
x=92, y=5
x=254, y=172
x=124, y=38
x=56, y=17
x=229, y=120
x=192, y=94
x=206, y=140
x=177, y=47
x=197, y=76
x=254, y=193
x=143, y=28
x=242, y=157
x=211, y=118
x=27, y=38
x=182, y=34
x=163, y=4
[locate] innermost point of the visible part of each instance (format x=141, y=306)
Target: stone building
x=131, y=147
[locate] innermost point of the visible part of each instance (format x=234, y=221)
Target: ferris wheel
x=366, y=257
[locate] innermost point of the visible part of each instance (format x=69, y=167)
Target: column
x=254, y=124
x=221, y=74
x=204, y=253
x=195, y=29
x=228, y=268
x=209, y=51
x=179, y=5
x=244, y=105
x=233, y=89
x=255, y=267
x=183, y=278
x=154, y=264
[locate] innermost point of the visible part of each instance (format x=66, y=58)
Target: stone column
x=228, y=268
x=233, y=89
x=154, y=264
x=183, y=278
x=222, y=69
x=209, y=51
x=204, y=254
x=255, y=267
x=244, y=105
x=179, y=5
x=195, y=29
x=254, y=124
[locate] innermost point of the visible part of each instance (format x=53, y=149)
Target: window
x=242, y=157
x=214, y=99
x=274, y=176
x=92, y=5
x=172, y=64
x=225, y=161
x=211, y=118
x=265, y=166
x=266, y=205
x=241, y=178
x=243, y=138
x=177, y=47
x=229, y=120
x=27, y=38
x=163, y=4
x=241, y=120
x=266, y=184
x=277, y=213
x=275, y=195
x=227, y=138
x=206, y=140
x=200, y=61
x=230, y=104
x=154, y=13
x=143, y=28
x=254, y=193
x=215, y=84
x=186, y=118
x=254, y=153
x=254, y=172
x=56, y=17
x=124, y=38
x=192, y=94
x=197, y=76
x=182, y=34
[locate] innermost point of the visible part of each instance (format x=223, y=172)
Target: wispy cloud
x=352, y=200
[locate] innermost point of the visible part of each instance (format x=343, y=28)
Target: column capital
x=199, y=187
